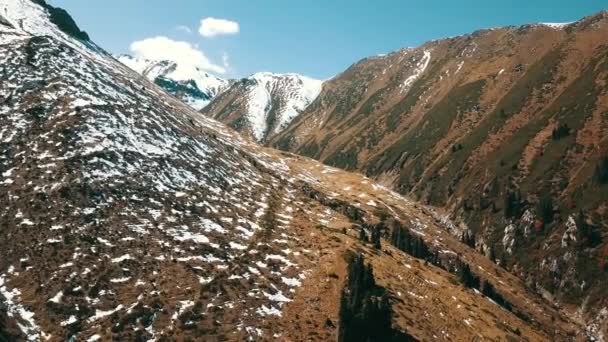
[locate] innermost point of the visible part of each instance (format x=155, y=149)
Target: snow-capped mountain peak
x=194, y=86
x=264, y=103
x=292, y=92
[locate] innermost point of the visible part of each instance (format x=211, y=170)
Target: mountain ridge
x=190, y=84
x=269, y=101
x=265, y=103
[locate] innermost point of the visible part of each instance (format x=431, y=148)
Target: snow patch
x=421, y=66
x=556, y=25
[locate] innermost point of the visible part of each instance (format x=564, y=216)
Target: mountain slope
x=263, y=104
x=193, y=86
x=121, y=206
x=126, y=215
x=505, y=129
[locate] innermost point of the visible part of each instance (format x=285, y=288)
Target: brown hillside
x=463, y=122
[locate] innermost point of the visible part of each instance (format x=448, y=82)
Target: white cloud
x=211, y=27
x=183, y=53
x=184, y=28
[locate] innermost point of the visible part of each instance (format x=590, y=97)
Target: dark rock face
x=365, y=308
x=64, y=21
x=182, y=89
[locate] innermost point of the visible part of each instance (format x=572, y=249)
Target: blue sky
x=318, y=38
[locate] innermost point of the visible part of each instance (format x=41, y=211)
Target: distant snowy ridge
x=290, y=94
x=194, y=86
x=557, y=25
x=264, y=104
